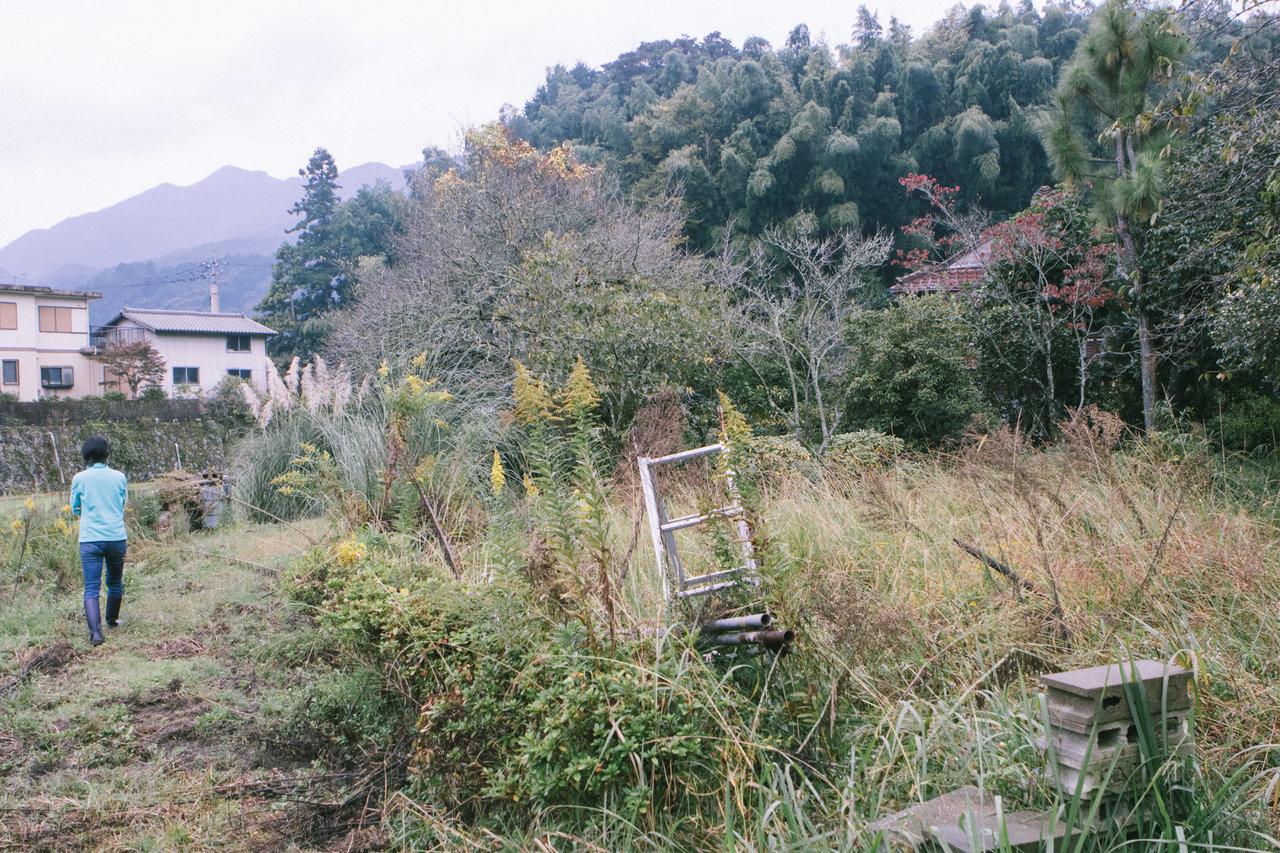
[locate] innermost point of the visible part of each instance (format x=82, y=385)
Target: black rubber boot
x=93, y=616
x=113, y=611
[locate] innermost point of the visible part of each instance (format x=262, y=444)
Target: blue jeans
x=92, y=556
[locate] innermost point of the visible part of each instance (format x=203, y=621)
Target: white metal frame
x=675, y=582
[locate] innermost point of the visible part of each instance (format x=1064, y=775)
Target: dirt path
x=176, y=733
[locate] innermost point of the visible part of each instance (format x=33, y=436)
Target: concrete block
x=1115, y=774
x=1097, y=693
x=1069, y=719
x=1093, y=785
x=1112, y=741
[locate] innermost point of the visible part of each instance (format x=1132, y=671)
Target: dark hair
x=95, y=449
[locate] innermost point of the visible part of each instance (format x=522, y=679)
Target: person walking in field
x=98, y=496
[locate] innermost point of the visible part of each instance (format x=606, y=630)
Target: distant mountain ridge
x=234, y=211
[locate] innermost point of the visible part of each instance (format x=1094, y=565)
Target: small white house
x=199, y=348
x=44, y=341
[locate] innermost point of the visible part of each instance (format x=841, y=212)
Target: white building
x=44, y=342
x=199, y=348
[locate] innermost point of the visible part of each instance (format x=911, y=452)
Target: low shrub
x=862, y=450
x=144, y=510
x=344, y=716
x=1252, y=426
x=226, y=404
x=778, y=456
x=518, y=714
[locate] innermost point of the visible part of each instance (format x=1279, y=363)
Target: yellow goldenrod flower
x=496, y=477
x=579, y=392
x=531, y=398
x=350, y=552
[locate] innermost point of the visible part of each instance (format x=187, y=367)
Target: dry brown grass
x=1131, y=549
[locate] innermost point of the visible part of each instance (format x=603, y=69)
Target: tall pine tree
x=308, y=278
x=1109, y=135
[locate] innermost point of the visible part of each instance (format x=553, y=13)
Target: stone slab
x=1023, y=832
x=960, y=816
x=914, y=825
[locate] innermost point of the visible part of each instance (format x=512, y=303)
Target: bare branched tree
x=526, y=256
x=795, y=322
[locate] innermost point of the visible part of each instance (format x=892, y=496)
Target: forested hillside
x=180, y=284
x=810, y=131
x=157, y=248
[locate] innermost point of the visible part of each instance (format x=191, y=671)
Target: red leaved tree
x=1050, y=272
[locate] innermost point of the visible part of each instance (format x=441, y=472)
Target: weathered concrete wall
x=45, y=458
x=56, y=412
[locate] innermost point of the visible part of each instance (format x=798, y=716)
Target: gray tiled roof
x=952, y=275
x=193, y=322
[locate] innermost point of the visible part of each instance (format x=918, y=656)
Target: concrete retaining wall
x=45, y=458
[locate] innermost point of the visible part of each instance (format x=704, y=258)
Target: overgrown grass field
x=357, y=694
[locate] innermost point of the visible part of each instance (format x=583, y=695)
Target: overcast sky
x=103, y=99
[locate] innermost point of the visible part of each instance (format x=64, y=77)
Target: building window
x=8, y=315
x=237, y=343
x=186, y=376
x=9, y=367
x=56, y=377
x=240, y=373
x=54, y=319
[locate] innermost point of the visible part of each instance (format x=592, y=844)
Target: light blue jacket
x=98, y=496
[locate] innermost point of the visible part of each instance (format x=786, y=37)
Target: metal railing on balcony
x=103, y=337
